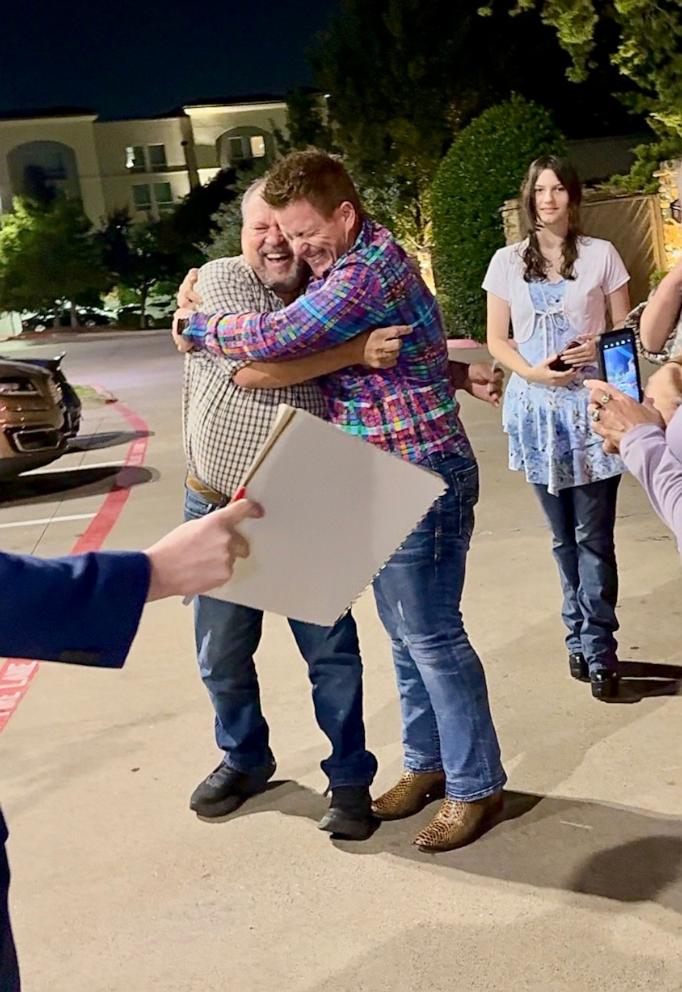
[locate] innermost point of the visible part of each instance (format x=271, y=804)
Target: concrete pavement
x=119, y=888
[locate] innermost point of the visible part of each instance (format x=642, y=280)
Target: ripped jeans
x=443, y=695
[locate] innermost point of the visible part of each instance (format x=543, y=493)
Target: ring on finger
x=595, y=414
x=604, y=399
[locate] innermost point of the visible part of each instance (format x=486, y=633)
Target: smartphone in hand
x=559, y=365
x=619, y=363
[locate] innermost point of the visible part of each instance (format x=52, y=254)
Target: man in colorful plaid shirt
x=225, y=422
x=362, y=279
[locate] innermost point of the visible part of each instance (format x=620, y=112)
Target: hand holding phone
x=559, y=365
x=619, y=363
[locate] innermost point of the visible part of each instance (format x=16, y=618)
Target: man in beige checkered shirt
x=225, y=421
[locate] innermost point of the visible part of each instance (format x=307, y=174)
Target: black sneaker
x=349, y=816
x=225, y=789
x=578, y=667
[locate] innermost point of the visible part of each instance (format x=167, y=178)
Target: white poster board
x=336, y=508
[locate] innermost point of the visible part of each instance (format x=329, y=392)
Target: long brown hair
x=534, y=261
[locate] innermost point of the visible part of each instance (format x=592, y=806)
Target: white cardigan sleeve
x=497, y=277
x=615, y=273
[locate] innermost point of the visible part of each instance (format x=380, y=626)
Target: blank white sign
x=336, y=508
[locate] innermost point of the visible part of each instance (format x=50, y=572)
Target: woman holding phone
x=556, y=289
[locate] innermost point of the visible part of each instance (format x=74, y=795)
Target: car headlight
x=16, y=386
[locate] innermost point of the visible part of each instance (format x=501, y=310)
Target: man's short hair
x=311, y=175
x=255, y=187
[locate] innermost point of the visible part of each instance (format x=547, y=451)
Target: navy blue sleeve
x=81, y=609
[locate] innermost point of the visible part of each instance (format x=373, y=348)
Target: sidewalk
x=67, y=336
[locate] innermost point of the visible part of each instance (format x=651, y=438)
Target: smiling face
x=315, y=239
x=551, y=199
x=266, y=249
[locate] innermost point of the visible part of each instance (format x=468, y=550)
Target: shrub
x=484, y=167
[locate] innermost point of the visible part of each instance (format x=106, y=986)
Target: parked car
x=94, y=317
x=44, y=320
x=158, y=314
x=32, y=429
x=129, y=316
x=70, y=398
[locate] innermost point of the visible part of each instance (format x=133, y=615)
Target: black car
x=69, y=397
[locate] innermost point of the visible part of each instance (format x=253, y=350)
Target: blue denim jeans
x=582, y=520
x=227, y=637
x=443, y=695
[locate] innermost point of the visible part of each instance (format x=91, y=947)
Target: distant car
x=47, y=320
x=32, y=430
x=94, y=317
x=70, y=398
x=158, y=314
x=129, y=316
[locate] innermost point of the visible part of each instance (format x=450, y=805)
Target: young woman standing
x=556, y=288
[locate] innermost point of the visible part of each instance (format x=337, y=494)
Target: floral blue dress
x=549, y=429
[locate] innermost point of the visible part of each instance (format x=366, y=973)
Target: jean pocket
x=464, y=482
x=457, y=504
x=195, y=506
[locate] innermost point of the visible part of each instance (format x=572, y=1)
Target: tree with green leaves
x=645, y=42
x=134, y=258
x=225, y=240
x=49, y=257
x=484, y=167
x=308, y=124
x=404, y=77
x=182, y=233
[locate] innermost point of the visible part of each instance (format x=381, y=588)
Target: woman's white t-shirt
x=598, y=270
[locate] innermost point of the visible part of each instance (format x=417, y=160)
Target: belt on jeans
x=206, y=492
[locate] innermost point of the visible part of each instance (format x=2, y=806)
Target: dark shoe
x=225, y=789
x=604, y=682
x=349, y=816
x=578, y=667
x=409, y=795
x=457, y=823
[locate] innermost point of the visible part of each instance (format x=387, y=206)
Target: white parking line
x=47, y=520
x=71, y=468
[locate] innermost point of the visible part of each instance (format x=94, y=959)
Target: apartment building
x=145, y=165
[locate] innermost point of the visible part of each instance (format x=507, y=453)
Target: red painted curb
x=16, y=674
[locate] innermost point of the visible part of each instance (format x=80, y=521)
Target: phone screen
x=620, y=364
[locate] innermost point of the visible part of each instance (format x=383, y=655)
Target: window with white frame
x=156, y=197
x=151, y=158
x=142, y=196
x=257, y=146
x=242, y=145
x=238, y=149
x=135, y=160
x=157, y=157
x=163, y=196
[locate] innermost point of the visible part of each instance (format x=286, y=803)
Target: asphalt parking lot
x=119, y=888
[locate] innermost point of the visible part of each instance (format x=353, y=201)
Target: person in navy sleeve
x=85, y=610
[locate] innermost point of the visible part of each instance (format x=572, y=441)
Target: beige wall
x=100, y=147
x=114, y=137
x=209, y=123
x=76, y=133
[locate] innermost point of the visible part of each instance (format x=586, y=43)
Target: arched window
x=38, y=167
x=244, y=144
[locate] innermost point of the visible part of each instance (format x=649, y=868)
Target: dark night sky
x=138, y=57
